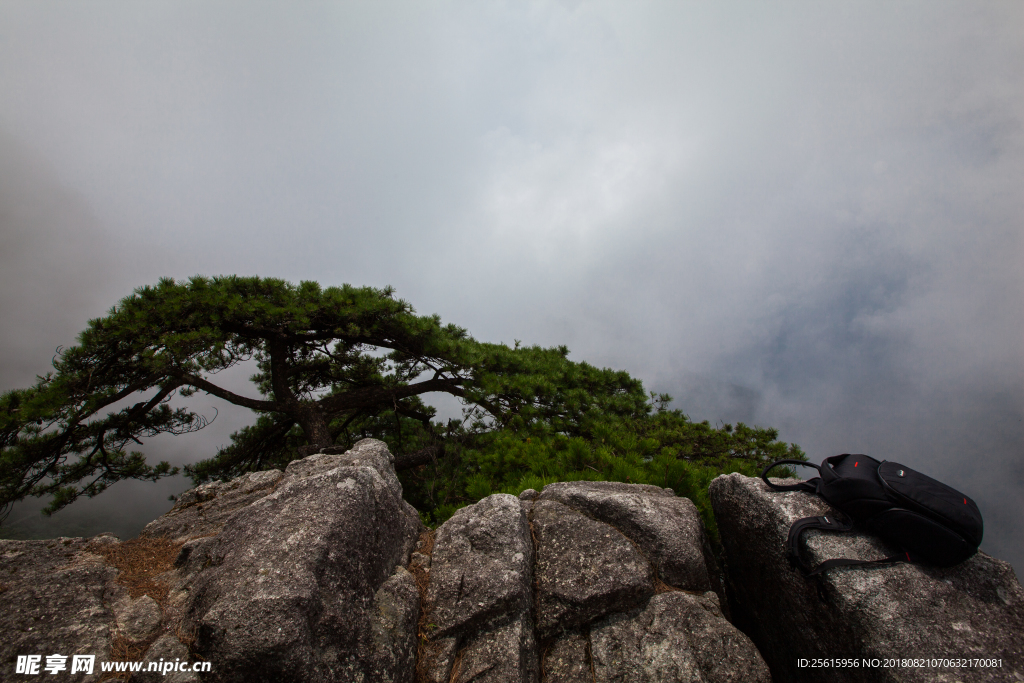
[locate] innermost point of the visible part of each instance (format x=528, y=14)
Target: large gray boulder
x=900, y=612
x=307, y=582
x=479, y=597
x=202, y=511
x=585, y=569
x=666, y=528
x=562, y=587
x=59, y=597
x=91, y=597
x=295, y=575
x=625, y=589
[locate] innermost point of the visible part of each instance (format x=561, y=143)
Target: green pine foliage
x=662, y=448
x=334, y=365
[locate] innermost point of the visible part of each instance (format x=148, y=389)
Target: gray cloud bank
x=806, y=216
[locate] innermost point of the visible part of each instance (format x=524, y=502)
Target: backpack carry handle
x=828, y=523
x=810, y=485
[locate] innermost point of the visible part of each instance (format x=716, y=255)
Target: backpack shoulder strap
x=811, y=485
x=844, y=562
x=827, y=523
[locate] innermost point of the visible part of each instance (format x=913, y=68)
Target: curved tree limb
x=229, y=396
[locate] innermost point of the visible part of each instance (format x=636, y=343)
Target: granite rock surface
x=972, y=611
x=592, y=605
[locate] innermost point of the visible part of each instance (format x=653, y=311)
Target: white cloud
x=806, y=215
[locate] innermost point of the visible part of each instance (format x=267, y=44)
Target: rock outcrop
x=595, y=605
x=323, y=573
x=42, y=616
x=665, y=528
x=297, y=575
x=675, y=636
x=888, y=614
x=585, y=569
x=307, y=582
x=480, y=589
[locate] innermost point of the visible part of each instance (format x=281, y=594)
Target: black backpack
x=930, y=522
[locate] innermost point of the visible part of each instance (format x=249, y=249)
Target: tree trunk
x=314, y=425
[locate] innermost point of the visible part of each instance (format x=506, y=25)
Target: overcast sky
x=808, y=216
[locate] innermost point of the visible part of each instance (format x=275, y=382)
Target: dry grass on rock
x=139, y=561
x=425, y=649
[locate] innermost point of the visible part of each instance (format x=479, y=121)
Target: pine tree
x=331, y=363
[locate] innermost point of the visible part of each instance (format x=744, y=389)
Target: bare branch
x=229, y=396
x=371, y=396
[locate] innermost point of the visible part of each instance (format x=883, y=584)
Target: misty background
x=806, y=216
